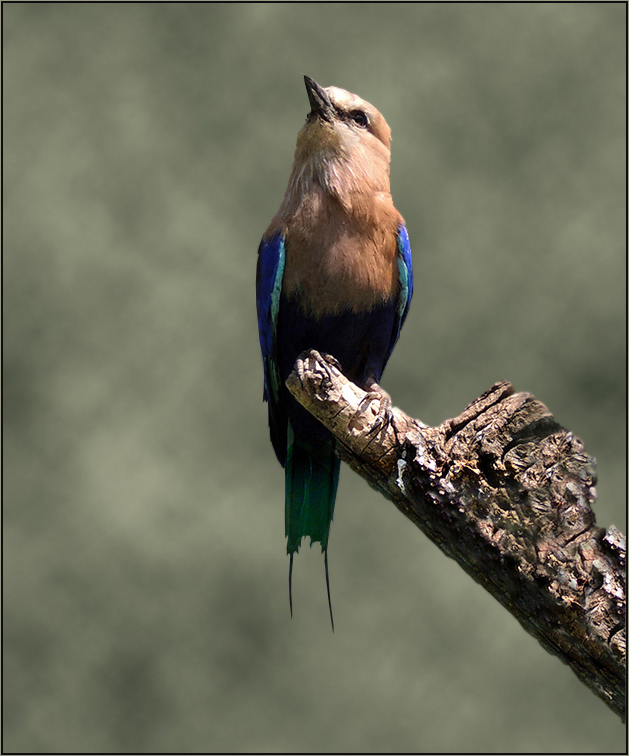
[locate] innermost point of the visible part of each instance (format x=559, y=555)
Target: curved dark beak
x=319, y=101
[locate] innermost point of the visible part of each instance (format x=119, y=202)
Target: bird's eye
x=359, y=118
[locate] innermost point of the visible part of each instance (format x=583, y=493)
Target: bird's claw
x=332, y=361
x=320, y=363
x=385, y=409
x=313, y=354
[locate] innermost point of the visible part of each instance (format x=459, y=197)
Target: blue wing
x=405, y=267
x=269, y=275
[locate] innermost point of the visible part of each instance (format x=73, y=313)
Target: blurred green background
x=147, y=146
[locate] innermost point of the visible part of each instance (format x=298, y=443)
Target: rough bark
x=506, y=492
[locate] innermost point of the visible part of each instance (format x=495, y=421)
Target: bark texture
x=506, y=492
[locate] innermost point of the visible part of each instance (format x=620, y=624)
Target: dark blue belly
x=361, y=342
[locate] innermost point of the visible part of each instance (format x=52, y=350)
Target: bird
x=334, y=274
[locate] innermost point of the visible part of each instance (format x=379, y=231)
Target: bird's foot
x=385, y=410
x=312, y=354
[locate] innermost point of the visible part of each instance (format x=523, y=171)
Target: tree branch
x=506, y=492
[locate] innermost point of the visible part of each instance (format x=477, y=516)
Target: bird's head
x=340, y=117
x=345, y=143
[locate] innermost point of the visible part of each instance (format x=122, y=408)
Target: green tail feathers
x=312, y=476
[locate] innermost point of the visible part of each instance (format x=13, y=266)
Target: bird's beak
x=320, y=103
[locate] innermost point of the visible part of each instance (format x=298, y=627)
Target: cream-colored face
x=343, y=147
x=349, y=104
x=356, y=114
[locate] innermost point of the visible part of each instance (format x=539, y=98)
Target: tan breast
x=342, y=259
